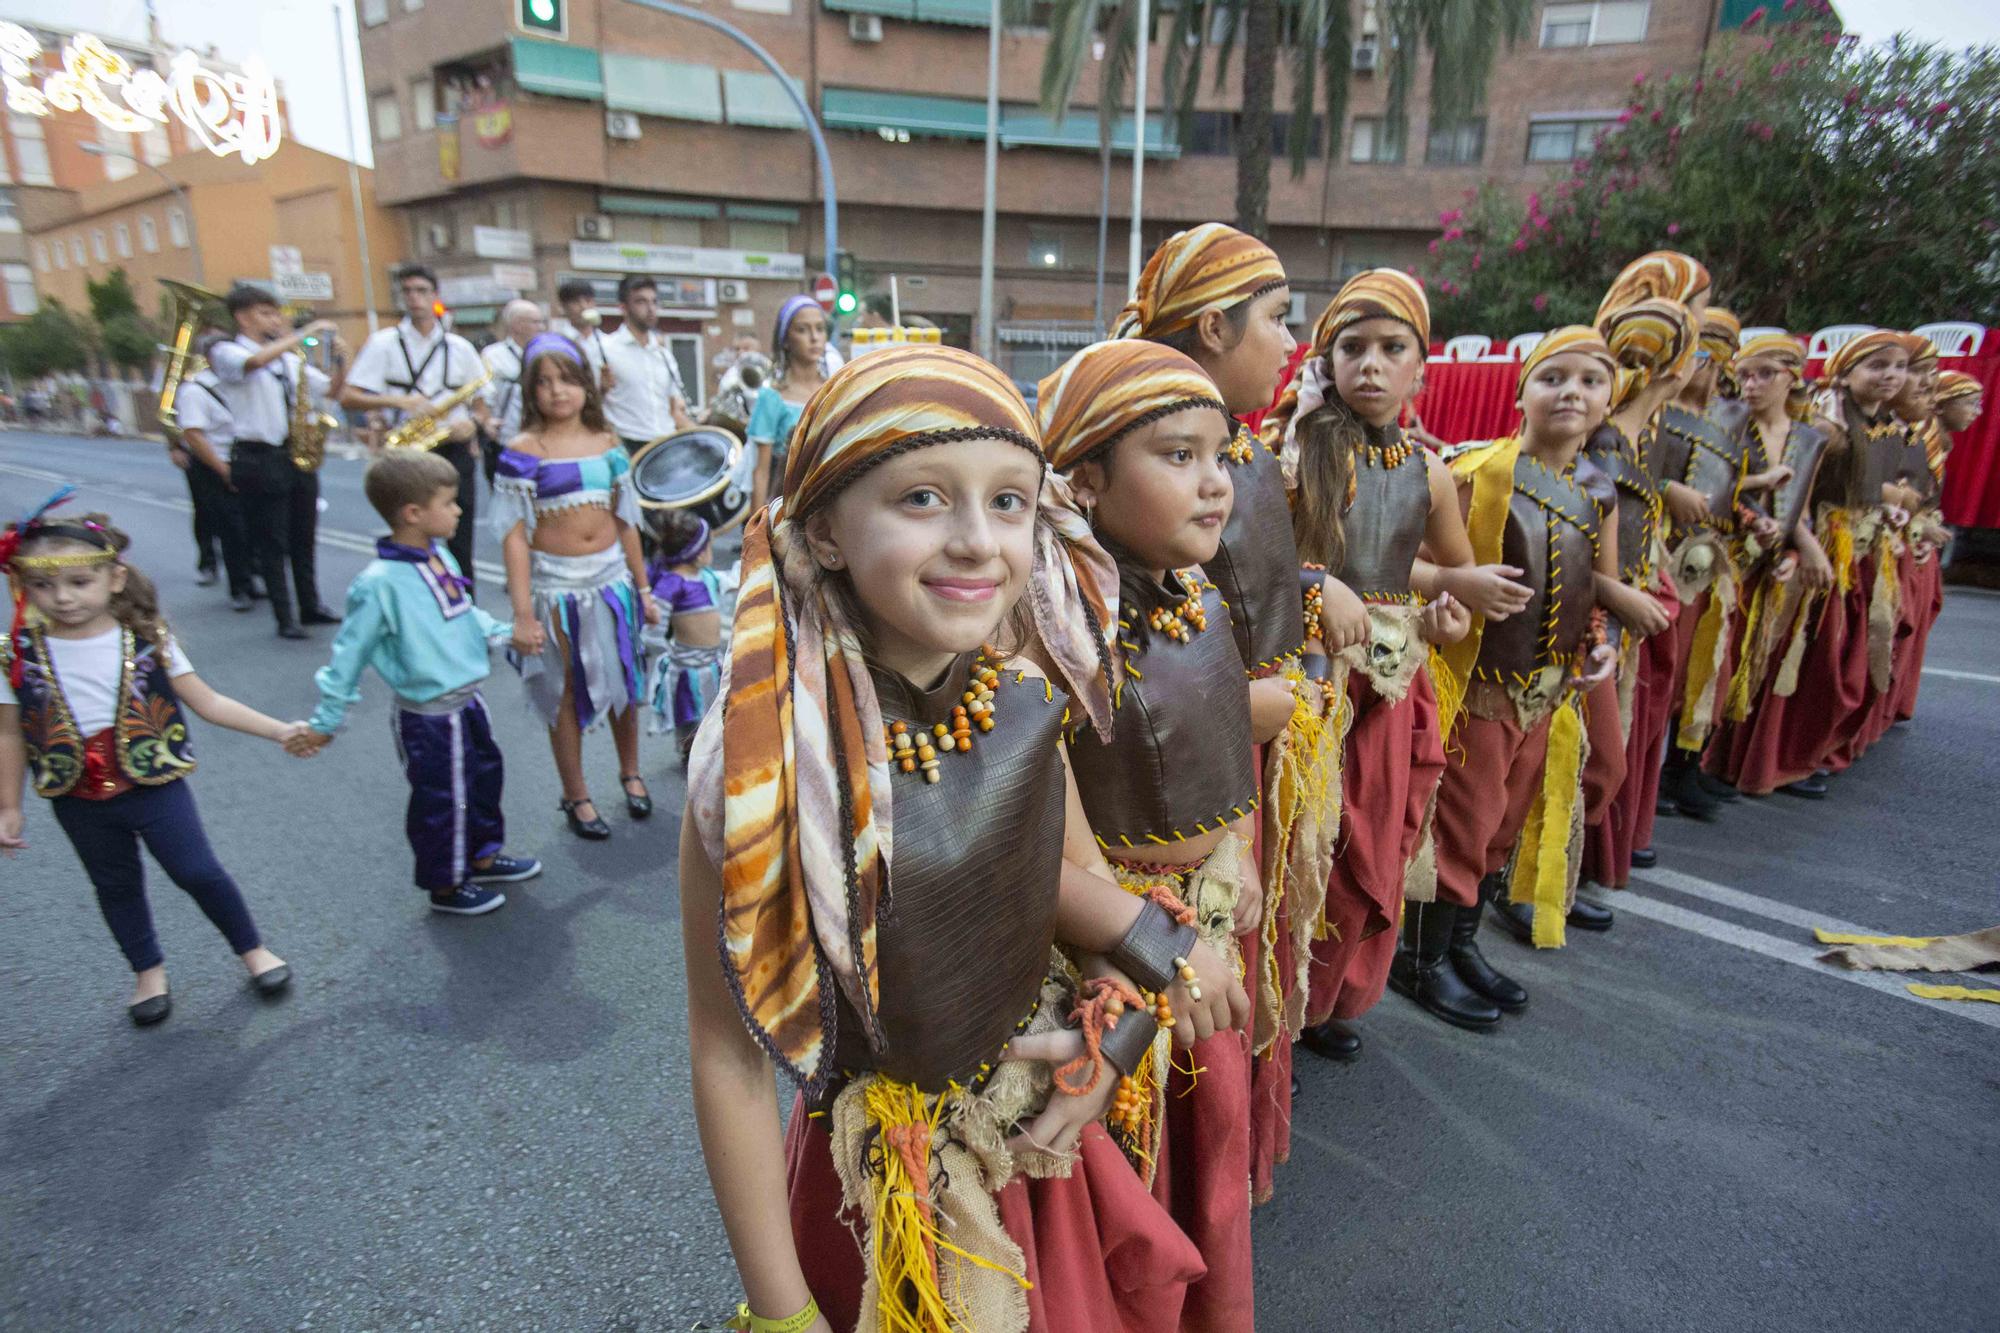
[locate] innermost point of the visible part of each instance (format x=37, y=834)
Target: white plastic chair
x=1761, y=331
x=1832, y=338
x=1521, y=344
x=1468, y=347
x=1953, y=338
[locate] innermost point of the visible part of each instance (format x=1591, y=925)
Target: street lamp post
x=187, y=208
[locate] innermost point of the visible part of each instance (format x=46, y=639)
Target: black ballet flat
x=150, y=1011
x=639, y=806
x=273, y=980
x=595, y=829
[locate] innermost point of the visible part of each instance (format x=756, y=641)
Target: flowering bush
x=1820, y=181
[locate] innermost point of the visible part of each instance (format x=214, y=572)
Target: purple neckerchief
x=453, y=591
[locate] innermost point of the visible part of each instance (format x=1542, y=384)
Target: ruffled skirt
x=590, y=610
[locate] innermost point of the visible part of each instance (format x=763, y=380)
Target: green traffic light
x=846, y=303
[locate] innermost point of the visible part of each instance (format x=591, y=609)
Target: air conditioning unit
x=1366, y=55
x=439, y=236
x=593, y=226
x=732, y=291
x=621, y=124
x=1296, y=314
x=864, y=27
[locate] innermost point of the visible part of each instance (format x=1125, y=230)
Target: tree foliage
x=1821, y=182
x=124, y=336
x=50, y=340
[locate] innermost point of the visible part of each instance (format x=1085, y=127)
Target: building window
x=1563, y=140
x=1602, y=24
x=374, y=12
x=117, y=159
x=41, y=256
x=10, y=216
x=177, y=228
x=423, y=104
x=388, y=117
x=6, y=175
x=76, y=251
x=56, y=253
x=1281, y=128
x=642, y=230
x=1211, y=134
x=121, y=240
x=97, y=250
x=1045, y=248
x=154, y=147
x=1374, y=142
x=763, y=237
x=31, y=150
x=412, y=6
x=149, y=235
x=20, y=288
x=1459, y=143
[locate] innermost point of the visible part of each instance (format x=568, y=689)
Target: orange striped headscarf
x=1571, y=338
x=1856, y=350
x=1957, y=384
x=1648, y=339
x=806, y=832
x=1378, y=293
x=1667, y=273
x=1110, y=388
x=1782, y=348
x=1720, y=333
x=1922, y=351
x=1210, y=267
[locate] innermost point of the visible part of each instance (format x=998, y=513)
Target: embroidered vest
x=150, y=733
x=1257, y=566
x=968, y=914
x=1179, y=761
x=1385, y=524
x=1553, y=526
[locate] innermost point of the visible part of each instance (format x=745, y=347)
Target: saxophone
x=306, y=440
x=427, y=430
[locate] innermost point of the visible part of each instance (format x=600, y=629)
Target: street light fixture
x=187, y=208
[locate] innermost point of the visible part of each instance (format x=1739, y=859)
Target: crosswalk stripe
x=1979, y=676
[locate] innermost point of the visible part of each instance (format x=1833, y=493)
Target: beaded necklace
x=1239, y=450
x=912, y=753
x=1184, y=619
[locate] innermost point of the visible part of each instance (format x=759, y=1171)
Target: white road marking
x=335, y=537
x=1769, y=908
x=1979, y=676
x=1797, y=953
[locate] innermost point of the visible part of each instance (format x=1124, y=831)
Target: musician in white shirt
x=578, y=322
x=201, y=450
x=522, y=320
x=405, y=369
x=259, y=371
x=643, y=397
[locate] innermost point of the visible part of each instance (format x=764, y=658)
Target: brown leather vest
x=1803, y=449
x=1257, y=566
x=1638, y=498
x=963, y=934
x=1385, y=524
x=1714, y=450
x=1179, y=763
x=1916, y=465
x=1553, y=524
x=1880, y=456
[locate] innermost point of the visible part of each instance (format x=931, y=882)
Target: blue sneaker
x=467, y=900
x=505, y=869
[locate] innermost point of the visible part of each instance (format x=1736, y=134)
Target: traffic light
x=849, y=300
x=544, y=18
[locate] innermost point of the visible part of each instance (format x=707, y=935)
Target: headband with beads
x=33, y=527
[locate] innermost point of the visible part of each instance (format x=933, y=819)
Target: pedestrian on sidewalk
x=90, y=706
x=410, y=615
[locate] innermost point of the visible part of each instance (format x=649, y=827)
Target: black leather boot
x=1474, y=970
x=1332, y=1040
x=1422, y=972
x=1517, y=919
x=1680, y=783
x=1586, y=914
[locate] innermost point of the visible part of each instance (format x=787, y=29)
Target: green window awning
x=654, y=87
x=935, y=117
x=557, y=69
x=1023, y=127
x=762, y=212
x=888, y=9
x=964, y=13
x=759, y=99
x=648, y=206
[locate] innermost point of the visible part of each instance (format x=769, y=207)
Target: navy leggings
x=106, y=835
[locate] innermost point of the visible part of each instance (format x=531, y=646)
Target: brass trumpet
x=190, y=304
x=427, y=430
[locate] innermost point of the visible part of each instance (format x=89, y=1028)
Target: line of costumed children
x=1071, y=766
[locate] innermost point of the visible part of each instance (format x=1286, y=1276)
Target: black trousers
x=281, y=519
x=459, y=454
x=218, y=523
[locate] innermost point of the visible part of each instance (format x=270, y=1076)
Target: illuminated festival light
x=229, y=114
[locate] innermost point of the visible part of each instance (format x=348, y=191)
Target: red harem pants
x=1204, y=1180
x=1493, y=772
x=1391, y=767
x=1924, y=592
x=1785, y=738
x=1840, y=741
x=1270, y=1073
x=1913, y=606
x=1102, y=1254
x=1628, y=822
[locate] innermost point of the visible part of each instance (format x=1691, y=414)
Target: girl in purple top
x=687, y=674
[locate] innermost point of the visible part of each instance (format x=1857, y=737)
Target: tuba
x=190, y=304
x=305, y=441
x=426, y=430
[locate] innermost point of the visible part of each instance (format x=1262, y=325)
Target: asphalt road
x=484, y=1123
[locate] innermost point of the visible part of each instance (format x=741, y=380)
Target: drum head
x=685, y=468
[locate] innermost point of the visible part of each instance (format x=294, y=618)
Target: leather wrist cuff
x=1149, y=948
x=1126, y=1045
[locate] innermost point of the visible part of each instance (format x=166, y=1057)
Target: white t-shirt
x=399, y=360
x=260, y=401
x=88, y=671
x=200, y=406
x=645, y=382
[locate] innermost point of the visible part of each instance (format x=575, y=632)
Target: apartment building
x=533, y=141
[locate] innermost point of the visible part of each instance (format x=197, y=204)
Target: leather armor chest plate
x=1553, y=524
x=1638, y=498
x=1385, y=524
x=1257, y=566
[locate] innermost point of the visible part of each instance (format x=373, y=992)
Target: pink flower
x=1673, y=229
x=1941, y=109
x=1534, y=201
x=1698, y=85
x=1448, y=287
x=1520, y=245
x=1640, y=81
x=1789, y=4
x=1434, y=247
x=1853, y=96
x=1656, y=117
x=1476, y=258
x=1454, y=233
x=1625, y=116
x=1449, y=216
x=1541, y=302
x=1763, y=131
x=1756, y=17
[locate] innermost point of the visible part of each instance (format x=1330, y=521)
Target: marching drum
x=692, y=469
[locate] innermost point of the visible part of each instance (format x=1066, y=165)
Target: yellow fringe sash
x=1711, y=645
x=1885, y=607
x=1491, y=471
x=1302, y=782
x=1545, y=860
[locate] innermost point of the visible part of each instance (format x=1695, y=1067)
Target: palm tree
x=1315, y=37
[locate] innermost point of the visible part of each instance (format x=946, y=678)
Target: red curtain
x=1474, y=400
